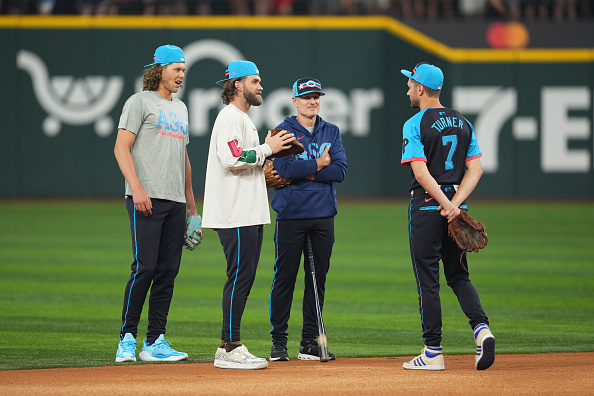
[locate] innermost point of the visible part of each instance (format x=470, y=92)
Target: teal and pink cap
x=237, y=69
x=167, y=54
x=426, y=74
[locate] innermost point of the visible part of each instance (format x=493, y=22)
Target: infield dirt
x=541, y=374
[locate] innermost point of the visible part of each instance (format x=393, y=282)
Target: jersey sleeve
x=412, y=147
x=473, y=149
x=231, y=152
x=131, y=118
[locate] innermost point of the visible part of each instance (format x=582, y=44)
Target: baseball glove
x=193, y=235
x=296, y=147
x=469, y=234
x=275, y=181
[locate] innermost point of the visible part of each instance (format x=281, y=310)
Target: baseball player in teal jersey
x=440, y=147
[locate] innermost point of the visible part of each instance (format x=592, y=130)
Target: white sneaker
x=430, y=359
x=220, y=352
x=239, y=358
x=485, y=347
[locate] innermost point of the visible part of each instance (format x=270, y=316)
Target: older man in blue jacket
x=305, y=209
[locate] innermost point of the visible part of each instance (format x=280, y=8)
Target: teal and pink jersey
x=442, y=138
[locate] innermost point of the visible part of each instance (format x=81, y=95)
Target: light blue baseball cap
x=167, y=54
x=237, y=69
x=426, y=74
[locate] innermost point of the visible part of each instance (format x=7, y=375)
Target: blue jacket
x=304, y=198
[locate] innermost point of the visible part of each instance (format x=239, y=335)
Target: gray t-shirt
x=158, y=153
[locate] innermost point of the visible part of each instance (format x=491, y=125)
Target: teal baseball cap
x=167, y=54
x=307, y=85
x=237, y=69
x=426, y=74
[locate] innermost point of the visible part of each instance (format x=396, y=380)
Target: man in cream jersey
x=236, y=201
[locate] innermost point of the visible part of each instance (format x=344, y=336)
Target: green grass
x=64, y=264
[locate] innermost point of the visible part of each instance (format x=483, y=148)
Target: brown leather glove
x=295, y=149
x=275, y=180
x=469, y=234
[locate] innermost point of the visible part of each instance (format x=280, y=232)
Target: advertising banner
x=67, y=79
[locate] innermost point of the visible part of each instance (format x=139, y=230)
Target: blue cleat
x=126, y=349
x=160, y=351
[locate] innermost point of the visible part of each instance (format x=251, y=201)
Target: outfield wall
x=67, y=78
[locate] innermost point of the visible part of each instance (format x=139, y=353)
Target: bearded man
x=236, y=201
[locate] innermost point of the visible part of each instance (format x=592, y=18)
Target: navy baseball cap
x=237, y=69
x=307, y=85
x=426, y=74
x=167, y=54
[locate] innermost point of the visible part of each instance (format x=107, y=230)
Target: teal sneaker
x=160, y=351
x=126, y=349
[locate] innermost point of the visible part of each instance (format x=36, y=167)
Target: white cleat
x=485, y=347
x=239, y=358
x=430, y=359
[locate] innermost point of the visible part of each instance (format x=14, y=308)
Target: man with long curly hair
x=151, y=152
x=236, y=201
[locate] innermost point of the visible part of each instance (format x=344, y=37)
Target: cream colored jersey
x=235, y=192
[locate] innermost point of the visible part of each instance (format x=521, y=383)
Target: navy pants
x=429, y=243
x=157, y=242
x=291, y=243
x=242, y=247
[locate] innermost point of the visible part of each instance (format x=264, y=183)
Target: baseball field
x=64, y=264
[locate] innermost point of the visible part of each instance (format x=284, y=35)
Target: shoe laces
x=164, y=344
x=128, y=345
x=311, y=347
x=244, y=351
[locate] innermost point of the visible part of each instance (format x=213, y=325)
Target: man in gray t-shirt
x=151, y=152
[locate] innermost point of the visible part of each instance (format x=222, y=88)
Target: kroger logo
x=90, y=100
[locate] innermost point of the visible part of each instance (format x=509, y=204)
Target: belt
x=444, y=188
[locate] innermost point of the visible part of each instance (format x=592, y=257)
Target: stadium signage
x=88, y=100
x=532, y=110
x=563, y=122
